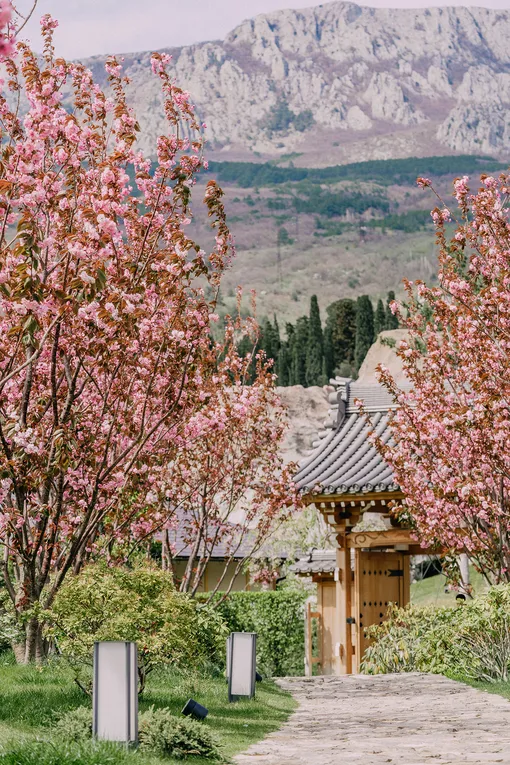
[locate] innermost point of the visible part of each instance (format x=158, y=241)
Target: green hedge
x=278, y=619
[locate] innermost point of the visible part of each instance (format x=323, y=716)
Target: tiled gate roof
x=344, y=461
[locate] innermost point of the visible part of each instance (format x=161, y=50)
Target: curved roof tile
x=345, y=461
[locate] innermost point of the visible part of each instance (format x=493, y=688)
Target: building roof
x=216, y=545
x=316, y=562
x=344, y=461
x=219, y=550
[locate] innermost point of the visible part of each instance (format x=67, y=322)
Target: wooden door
x=380, y=578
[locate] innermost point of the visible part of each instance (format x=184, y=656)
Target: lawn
x=431, y=591
x=30, y=697
x=500, y=688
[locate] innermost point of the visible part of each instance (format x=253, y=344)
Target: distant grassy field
x=30, y=697
x=431, y=591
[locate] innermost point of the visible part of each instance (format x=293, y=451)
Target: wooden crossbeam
x=379, y=538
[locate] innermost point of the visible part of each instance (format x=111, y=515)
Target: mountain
x=341, y=83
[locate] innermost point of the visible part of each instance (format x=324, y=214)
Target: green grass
x=30, y=697
x=499, y=688
x=431, y=591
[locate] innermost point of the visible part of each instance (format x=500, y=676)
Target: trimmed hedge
x=278, y=619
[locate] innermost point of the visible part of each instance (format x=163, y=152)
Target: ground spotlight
x=193, y=709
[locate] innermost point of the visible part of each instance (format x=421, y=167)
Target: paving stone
x=405, y=719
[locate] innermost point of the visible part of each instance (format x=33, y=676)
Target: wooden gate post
x=343, y=642
x=308, y=639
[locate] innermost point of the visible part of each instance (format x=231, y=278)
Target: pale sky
x=89, y=27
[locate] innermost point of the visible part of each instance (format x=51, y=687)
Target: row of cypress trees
x=311, y=354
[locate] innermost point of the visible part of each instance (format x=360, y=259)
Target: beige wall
x=212, y=575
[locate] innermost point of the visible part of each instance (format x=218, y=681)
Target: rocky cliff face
x=378, y=83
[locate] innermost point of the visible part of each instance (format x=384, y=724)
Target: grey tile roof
x=344, y=461
x=218, y=546
x=218, y=550
x=315, y=562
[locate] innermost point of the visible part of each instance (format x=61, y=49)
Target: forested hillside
x=336, y=232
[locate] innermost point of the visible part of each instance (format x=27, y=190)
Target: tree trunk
x=464, y=574
x=19, y=652
x=34, y=647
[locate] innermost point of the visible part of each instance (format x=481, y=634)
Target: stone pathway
x=408, y=719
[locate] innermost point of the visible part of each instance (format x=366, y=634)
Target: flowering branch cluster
x=231, y=485
x=452, y=429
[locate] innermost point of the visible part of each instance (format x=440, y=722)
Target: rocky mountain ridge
x=341, y=82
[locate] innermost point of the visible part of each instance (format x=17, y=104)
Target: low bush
x=166, y=735
x=278, y=619
x=47, y=752
x=138, y=605
x=75, y=725
x=160, y=732
x=470, y=641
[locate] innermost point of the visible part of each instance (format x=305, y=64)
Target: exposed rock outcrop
x=362, y=72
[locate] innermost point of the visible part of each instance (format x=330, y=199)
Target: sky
x=89, y=27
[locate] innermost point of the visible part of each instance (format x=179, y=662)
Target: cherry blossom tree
x=105, y=346
x=230, y=488
x=452, y=429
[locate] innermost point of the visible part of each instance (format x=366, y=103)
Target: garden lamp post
x=241, y=661
x=115, y=692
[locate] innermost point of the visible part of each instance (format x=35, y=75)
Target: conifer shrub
x=164, y=734
x=159, y=732
x=75, y=725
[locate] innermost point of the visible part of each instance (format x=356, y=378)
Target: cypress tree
x=329, y=362
x=290, y=345
x=379, y=318
x=391, y=319
x=341, y=327
x=276, y=335
x=364, y=328
x=300, y=346
x=315, y=345
x=283, y=366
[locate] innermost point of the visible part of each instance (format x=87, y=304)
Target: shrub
x=412, y=639
x=47, y=752
x=278, y=619
x=139, y=605
x=160, y=732
x=75, y=725
x=169, y=736
x=470, y=641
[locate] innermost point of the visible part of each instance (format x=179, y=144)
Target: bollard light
x=193, y=709
x=241, y=672
x=115, y=692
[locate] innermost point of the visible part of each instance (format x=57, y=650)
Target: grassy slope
x=326, y=255
x=30, y=697
x=431, y=591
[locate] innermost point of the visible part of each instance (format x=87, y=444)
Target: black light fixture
x=193, y=709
